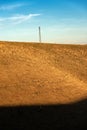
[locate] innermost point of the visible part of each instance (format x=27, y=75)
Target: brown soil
x=33, y=73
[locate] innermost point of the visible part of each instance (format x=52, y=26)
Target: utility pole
x=39, y=34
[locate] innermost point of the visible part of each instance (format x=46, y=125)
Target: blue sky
x=61, y=21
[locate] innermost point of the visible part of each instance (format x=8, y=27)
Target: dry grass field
x=34, y=73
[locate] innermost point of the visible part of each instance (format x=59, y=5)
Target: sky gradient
x=61, y=21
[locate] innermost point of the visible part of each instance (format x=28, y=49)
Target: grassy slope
x=42, y=73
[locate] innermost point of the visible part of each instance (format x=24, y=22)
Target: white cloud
x=22, y=18
x=10, y=7
x=18, y=18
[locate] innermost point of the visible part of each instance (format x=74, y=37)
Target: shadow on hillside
x=44, y=117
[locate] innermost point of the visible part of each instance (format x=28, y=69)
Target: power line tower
x=39, y=34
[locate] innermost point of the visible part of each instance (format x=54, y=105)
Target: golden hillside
x=33, y=73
